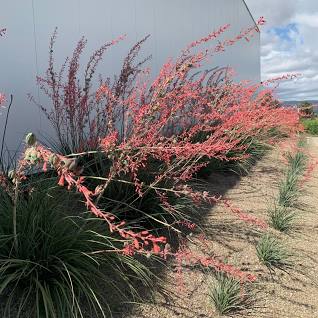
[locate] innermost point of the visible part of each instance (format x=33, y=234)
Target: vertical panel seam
x=36, y=54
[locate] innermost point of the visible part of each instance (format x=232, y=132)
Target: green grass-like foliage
x=311, y=126
x=57, y=270
x=289, y=189
x=228, y=296
x=272, y=253
x=281, y=218
x=297, y=162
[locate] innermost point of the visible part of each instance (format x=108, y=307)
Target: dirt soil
x=280, y=294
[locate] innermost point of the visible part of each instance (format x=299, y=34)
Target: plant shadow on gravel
x=218, y=183
x=174, y=239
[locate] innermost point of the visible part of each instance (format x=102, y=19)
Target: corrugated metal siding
x=171, y=23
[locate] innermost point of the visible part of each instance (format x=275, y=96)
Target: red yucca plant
x=181, y=120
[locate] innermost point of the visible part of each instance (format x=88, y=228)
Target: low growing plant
x=229, y=296
x=272, y=253
x=289, y=189
x=281, y=218
x=297, y=161
x=306, y=109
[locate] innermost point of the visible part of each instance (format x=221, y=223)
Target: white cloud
x=289, y=44
x=307, y=19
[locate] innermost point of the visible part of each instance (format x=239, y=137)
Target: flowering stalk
x=2, y=102
x=2, y=99
x=4, y=131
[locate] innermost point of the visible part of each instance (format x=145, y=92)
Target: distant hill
x=296, y=102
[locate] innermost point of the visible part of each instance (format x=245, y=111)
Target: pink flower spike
x=2, y=99
x=61, y=181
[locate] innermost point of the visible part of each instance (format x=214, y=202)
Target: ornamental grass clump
x=290, y=187
x=60, y=265
x=141, y=136
x=272, y=253
x=281, y=218
x=229, y=296
x=297, y=162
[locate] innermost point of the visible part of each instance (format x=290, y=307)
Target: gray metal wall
x=172, y=25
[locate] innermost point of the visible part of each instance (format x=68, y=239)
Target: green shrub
x=311, y=126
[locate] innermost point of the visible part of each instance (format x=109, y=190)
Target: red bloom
x=2, y=99
x=156, y=249
x=61, y=181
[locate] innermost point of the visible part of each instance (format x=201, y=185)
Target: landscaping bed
x=96, y=221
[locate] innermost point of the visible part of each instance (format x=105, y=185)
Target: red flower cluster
x=2, y=99
x=244, y=216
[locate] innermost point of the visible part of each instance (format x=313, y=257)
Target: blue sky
x=289, y=44
x=285, y=32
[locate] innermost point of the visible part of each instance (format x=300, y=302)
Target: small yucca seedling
x=297, y=162
x=272, y=253
x=289, y=189
x=228, y=295
x=301, y=142
x=281, y=218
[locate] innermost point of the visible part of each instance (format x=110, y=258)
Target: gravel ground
x=292, y=294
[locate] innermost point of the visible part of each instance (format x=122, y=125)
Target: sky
x=289, y=44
